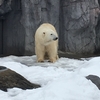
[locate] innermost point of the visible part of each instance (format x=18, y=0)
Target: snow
x=63, y=80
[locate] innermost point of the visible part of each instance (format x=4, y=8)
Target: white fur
x=45, y=43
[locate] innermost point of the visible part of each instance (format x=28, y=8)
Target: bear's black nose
x=55, y=38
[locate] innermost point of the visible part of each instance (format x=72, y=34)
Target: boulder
x=95, y=79
x=11, y=79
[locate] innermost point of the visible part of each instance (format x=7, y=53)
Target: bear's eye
x=43, y=32
x=51, y=34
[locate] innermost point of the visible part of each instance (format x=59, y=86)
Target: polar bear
x=46, y=43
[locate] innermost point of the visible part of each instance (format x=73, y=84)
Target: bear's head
x=49, y=37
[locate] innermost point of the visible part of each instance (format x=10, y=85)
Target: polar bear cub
x=46, y=43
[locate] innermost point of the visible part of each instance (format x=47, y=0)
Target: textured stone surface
x=95, y=79
x=11, y=79
x=77, y=23
x=36, y=12
x=98, y=34
x=5, y=7
x=12, y=31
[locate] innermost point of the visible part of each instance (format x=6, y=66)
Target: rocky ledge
x=11, y=79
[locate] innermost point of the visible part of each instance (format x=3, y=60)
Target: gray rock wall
x=12, y=31
x=77, y=23
x=36, y=12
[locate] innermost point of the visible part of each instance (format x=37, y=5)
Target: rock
x=76, y=21
x=2, y=68
x=5, y=7
x=78, y=26
x=12, y=34
x=95, y=79
x=36, y=12
x=97, y=51
x=10, y=79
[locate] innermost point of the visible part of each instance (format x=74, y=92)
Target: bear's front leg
x=52, y=52
x=52, y=60
x=39, y=53
x=53, y=56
